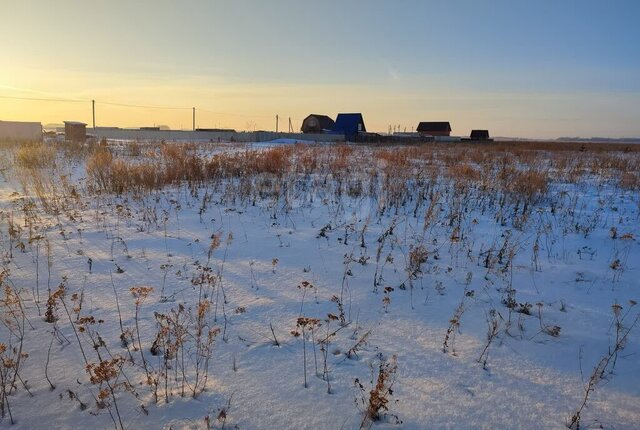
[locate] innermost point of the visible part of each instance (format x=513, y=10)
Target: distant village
x=347, y=127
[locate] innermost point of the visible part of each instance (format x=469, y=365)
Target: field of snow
x=323, y=287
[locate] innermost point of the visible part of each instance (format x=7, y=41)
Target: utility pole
x=290, y=126
x=93, y=109
x=276, y=123
x=194, y=119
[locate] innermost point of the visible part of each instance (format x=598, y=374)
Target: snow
x=532, y=380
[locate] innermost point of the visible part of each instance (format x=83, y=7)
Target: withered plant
x=454, y=324
x=376, y=401
x=608, y=360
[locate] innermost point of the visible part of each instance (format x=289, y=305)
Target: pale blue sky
x=535, y=69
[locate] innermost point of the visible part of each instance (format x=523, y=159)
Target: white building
x=20, y=131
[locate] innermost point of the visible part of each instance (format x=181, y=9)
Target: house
x=315, y=123
x=20, y=131
x=75, y=131
x=440, y=128
x=480, y=135
x=349, y=124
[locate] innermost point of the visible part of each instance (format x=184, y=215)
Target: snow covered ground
x=423, y=280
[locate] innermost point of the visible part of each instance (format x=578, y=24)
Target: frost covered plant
x=621, y=330
x=302, y=325
x=105, y=374
x=304, y=286
x=376, y=401
x=454, y=325
x=360, y=342
x=185, y=342
x=417, y=257
x=348, y=259
x=493, y=329
x=50, y=315
x=10, y=359
x=204, y=337
x=140, y=294
x=341, y=316
x=177, y=336
x=165, y=269
x=165, y=344
x=386, y=300
x=221, y=416
x=608, y=360
x=617, y=267
x=377, y=276
x=14, y=319
x=551, y=330
x=15, y=235
x=36, y=240
x=215, y=243
x=324, y=348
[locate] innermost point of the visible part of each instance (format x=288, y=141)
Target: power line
x=142, y=106
x=234, y=114
x=42, y=99
x=137, y=106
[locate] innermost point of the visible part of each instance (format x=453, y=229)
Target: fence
x=209, y=136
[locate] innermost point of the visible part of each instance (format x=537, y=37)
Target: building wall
x=20, y=131
x=436, y=133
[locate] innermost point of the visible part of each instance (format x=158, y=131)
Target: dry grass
x=35, y=155
x=522, y=171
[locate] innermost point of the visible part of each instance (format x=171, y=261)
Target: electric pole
x=93, y=109
x=194, y=119
x=276, y=123
x=290, y=126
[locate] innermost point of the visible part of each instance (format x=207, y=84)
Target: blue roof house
x=349, y=124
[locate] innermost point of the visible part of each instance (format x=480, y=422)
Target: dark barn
x=349, y=124
x=315, y=123
x=440, y=128
x=480, y=135
x=75, y=131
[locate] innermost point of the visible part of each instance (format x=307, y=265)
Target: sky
x=544, y=68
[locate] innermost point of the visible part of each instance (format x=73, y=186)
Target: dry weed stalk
x=303, y=324
x=608, y=360
x=454, y=324
x=493, y=322
x=376, y=404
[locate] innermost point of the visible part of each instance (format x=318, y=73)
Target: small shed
x=434, y=128
x=349, y=124
x=315, y=123
x=75, y=131
x=480, y=135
